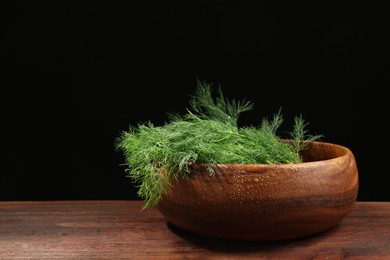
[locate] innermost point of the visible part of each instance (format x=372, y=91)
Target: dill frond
x=299, y=134
x=207, y=133
x=220, y=109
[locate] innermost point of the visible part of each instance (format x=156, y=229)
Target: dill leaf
x=207, y=133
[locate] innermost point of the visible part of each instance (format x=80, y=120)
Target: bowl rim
x=344, y=153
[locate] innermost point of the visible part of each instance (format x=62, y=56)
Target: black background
x=76, y=74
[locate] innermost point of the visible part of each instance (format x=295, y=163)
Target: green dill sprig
x=220, y=109
x=207, y=133
x=300, y=136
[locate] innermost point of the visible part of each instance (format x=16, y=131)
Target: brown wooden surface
x=120, y=230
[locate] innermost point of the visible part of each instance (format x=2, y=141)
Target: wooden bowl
x=265, y=202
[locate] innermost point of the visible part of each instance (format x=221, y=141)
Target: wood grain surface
x=120, y=230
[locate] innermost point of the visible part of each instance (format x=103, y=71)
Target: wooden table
x=120, y=230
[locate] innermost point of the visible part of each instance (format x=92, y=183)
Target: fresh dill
x=208, y=133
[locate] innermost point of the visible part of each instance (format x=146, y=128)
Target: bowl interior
x=318, y=151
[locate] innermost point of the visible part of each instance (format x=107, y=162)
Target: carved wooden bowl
x=264, y=202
